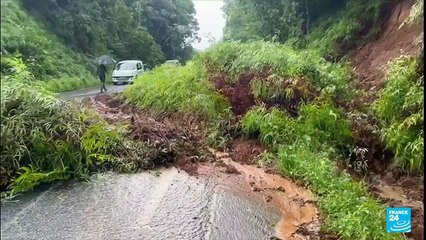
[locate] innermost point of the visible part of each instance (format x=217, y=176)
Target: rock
x=256, y=189
x=267, y=198
x=280, y=188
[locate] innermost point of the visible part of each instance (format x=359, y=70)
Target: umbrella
x=104, y=59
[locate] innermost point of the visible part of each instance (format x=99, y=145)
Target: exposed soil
x=239, y=95
x=369, y=62
x=403, y=191
x=246, y=151
x=395, y=40
x=181, y=143
x=175, y=139
x=299, y=216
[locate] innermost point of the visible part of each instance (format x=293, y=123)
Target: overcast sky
x=211, y=21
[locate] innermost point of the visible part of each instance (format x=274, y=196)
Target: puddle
x=299, y=216
x=397, y=193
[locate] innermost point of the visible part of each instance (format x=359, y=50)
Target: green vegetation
x=169, y=88
x=148, y=30
x=183, y=90
x=329, y=28
x=318, y=124
x=303, y=148
x=347, y=206
x=56, y=39
x=400, y=110
x=44, y=55
x=284, y=66
x=336, y=36
x=46, y=139
x=416, y=13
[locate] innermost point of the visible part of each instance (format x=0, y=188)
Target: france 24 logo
x=398, y=220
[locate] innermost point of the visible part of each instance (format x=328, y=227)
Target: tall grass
x=416, y=13
x=400, y=111
x=280, y=62
x=46, y=57
x=318, y=124
x=335, y=36
x=184, y=89
x=46, y=139
x=304, y=148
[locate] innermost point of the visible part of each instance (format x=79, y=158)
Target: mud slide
x=299, y=215
x=396, y=39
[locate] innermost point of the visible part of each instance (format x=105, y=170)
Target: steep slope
x=46, y=57
x=395, y=40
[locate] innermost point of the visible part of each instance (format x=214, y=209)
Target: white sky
x=210, y=20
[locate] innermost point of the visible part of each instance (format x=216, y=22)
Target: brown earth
x=402, y=191
x=239, y=94
x=300, y=217
x=369, y=62
x=175, y=139
x=246, y=151
x=396, y=39
x=241, y=97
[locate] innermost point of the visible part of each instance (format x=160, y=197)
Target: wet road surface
x=172, y=205
x=90, y=92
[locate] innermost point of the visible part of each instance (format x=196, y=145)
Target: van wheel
x=114, y=83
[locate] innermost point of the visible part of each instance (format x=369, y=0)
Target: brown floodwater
x=298, y=213
x=168, y=204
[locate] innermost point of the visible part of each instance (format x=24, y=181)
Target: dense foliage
x=304, y=149
x=148, y=30
x=330, y=27
x=44, y=55
x=56, y=39
x=46, y=139
x=400, y=110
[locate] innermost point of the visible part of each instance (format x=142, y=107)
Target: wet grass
x=305, y=149
x=46, y=57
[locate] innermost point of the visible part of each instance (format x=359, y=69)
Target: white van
x=127, y=71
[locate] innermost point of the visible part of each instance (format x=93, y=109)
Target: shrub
x=184, y=89
x=400, y=111
x=44, y=55
x=348, y=209
x=44, y=138
x=280, y=63
x=326, y=124
x=272, y=126
x=317, y=125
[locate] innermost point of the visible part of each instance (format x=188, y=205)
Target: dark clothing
x=102, y=70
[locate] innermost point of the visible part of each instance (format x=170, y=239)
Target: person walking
x=102, y=70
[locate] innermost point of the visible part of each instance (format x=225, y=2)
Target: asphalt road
x=172, y=206
x=90, y=92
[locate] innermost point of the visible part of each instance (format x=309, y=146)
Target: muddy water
x=172, y=205
x=251, y=205
x=298, y=213
x=397, y=193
